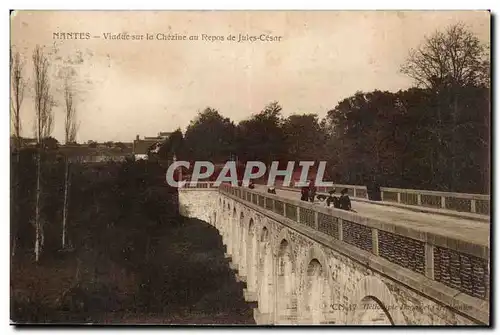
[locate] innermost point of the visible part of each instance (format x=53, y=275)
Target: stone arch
x=225, y=216
x=265, y=278
x=284, y=234
x=242, y=239
x=376, y=304
x=315, y=297
x=225, y=225
x=234, y=211
x=264, y=235
x=231, y=233
x=252, y=256
x=286, y=297
x=236, y=239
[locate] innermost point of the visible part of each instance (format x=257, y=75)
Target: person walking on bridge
x=304, y=193
x=312, y=191
x=344, y=201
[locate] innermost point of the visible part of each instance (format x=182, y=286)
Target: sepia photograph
x=250, y=167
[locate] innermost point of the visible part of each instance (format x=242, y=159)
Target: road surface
x=459, y=228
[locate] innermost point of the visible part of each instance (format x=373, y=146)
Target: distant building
x=84, y=154
x=140, y=147
x=24, y=141
x=164, y=134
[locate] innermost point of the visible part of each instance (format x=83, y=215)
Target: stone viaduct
x=305, y=263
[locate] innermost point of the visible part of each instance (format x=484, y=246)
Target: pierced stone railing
x=355, y=191
x=460, y=202
x=457, y=202
x=458, y=264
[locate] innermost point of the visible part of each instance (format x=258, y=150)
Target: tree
x=70, y=122
x=120, y=145
x=176, y=141
x=18, y=85
x=392, y=137
x=210, y=136
x=44, y=118
x=261, y=137
x=70, y=131
x=304, y=137
x=454, y=57
x=448, y=63
x=92, y=144
x=173, y=145
x=362, y=137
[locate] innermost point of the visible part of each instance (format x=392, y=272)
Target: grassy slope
x=189, y=279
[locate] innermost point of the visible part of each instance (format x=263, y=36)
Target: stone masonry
x=301, y=275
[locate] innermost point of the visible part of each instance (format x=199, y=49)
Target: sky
x=141, y=87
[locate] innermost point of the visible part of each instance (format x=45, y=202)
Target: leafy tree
x=50, y=143
x=363, y=129
x=304, y=137
x=262, y=137
x=452, y=64
x=173, y=145
x=210, y=136
x=120, y=145
x=393, y=137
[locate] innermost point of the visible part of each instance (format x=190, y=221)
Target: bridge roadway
x=460, y=228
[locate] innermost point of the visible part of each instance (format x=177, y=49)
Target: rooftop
x=84, y=150
x=140, y=147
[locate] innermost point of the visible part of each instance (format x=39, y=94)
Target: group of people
x=308, y=193
x=342, y=202
x=271, y=190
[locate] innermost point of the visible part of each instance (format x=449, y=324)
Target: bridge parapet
x=355, y=191
x=452, y=201
x=455, y=271
x=461, y=202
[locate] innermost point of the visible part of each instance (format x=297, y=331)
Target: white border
x=185, y=4
x=261, y=4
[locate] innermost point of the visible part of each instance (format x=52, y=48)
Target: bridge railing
x=455, y=263
x=354, y=191
x=460, y=202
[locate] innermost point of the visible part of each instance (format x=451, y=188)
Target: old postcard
x=250, y=167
